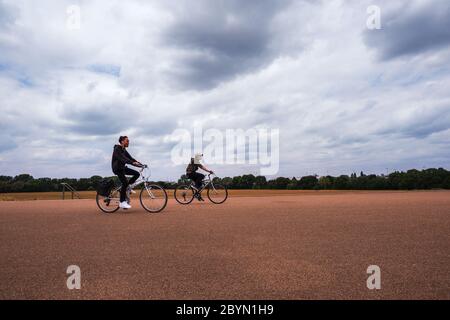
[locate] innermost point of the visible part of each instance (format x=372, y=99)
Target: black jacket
x=120, y=158
x=191, y=168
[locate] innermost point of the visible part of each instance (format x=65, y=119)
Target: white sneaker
x=124, y=205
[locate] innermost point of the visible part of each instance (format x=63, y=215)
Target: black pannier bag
x=105, y=187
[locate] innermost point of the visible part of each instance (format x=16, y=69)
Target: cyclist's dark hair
x=121, y=138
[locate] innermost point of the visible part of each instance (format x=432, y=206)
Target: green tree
x=260, y=182
x=247, y=181
x=342, y=182
x=325, y=182
x=227, y=181
x=279, y=183
x=308, y=183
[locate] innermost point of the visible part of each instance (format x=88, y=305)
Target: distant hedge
x=409, y=180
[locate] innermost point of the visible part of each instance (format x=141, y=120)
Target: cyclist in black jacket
x=120, y=158
x=191, y=172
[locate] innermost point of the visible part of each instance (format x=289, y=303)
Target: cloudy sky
x=345, y=98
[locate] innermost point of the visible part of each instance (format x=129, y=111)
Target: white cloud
x=66, y=95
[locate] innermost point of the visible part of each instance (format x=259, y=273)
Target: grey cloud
x=422, y=124
x=411, y=29
x=7, y=15
x=162, y=148
x=320, y=109
x=109, y=69
x=6, y=143
x=221, y=40
x=106, y=120
x=154, y=127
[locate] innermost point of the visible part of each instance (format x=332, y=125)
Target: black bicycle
x=216, y=192
x=152, y=197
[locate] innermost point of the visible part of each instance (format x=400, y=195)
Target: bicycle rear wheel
x=153, y=198
x=184, y=194
x=110, y=203
x=217, y=193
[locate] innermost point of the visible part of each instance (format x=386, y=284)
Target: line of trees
x=409, y=180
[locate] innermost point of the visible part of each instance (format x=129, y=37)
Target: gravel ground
x=308, y=246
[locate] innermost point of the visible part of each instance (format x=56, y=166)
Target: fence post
x=70, y=189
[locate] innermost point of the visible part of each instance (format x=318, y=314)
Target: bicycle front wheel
x=217, y=193
x=153, y=198
x=184, y=194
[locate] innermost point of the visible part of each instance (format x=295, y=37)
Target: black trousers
x=197, y=178
x=125, y=183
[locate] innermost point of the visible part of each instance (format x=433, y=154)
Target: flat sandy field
x=257, y=245
x=233, y=193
